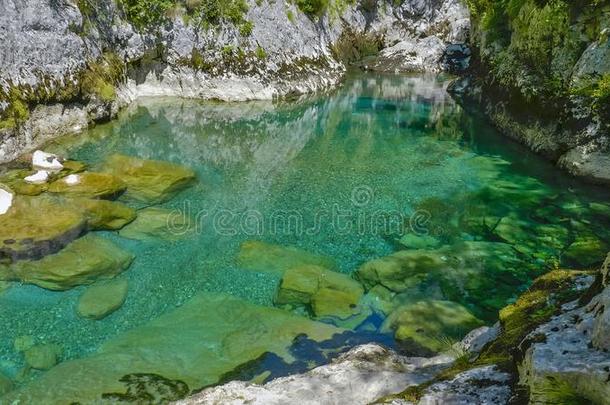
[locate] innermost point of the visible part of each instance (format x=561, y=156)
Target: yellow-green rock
x=429, y=326
x=82, y=262
x=401, y=270
x=89, y=185
x=266, y=257
x=158, y=223
x=586, y=250
x=43, y=357
x=14, y=179
x=327, y=292
x=102, y=299
x=105, y=215
x=196, y=343
x=149, y=181
x=72, y=166
x=36, y=226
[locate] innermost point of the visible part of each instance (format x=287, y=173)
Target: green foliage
x=146, y=13
x=598, y=89
x=260, y=53
x=17, y=111
x=291, y=16
x=101, y=77
x=314, y=8
x=560, y=391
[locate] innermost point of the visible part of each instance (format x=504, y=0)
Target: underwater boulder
x=328, y=293
x=149, y=181
x=36, y=226
x=586, y=250
x=89, y=185
x=101, y=299
x=412, y=241
x=42, y=357
x=14, y=179
x=196, y=343
x=267, y=257
x=103, y=214
x=158, y=223
x=427, y=327
x=6, y=384
x=401, y=270
x=82, y=262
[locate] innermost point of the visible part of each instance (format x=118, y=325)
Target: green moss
x=100, y=77
x=260, y=53
x=290, y=16
x=354, y=46
x=17, y=111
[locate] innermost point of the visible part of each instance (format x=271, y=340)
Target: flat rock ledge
x=359, y=376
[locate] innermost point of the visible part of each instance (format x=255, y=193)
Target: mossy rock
x=401, y=270
x=158, y=223
x=587, y=250
x=72, y=167
x=36, y=226
x=89, y=185
x=328, y=293
x=82, y=262
x=412, y=241
x=149, y=181
x=266, y=257
x=43, y=357
x=14, y=179
x=425, y=327
x=102, y=299
x=105, y=215
x=6, y=384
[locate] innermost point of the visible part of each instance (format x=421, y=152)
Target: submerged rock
x=586, y=250
x=401, y=270
x=102, y=299
x=42, y=357
x=430, y=326
x=6, y=384
x=36, y=226
x=327, y=292
x=266, y=257
x=14, y=179
x=149, y=181
x=89, y=185
x=81, y=262
x=158, y=223
x=195, y=343
x=358, y=377
x=412, y=241
x=105, y=215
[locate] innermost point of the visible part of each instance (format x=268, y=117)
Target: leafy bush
x=146, y=13
x=312, y=7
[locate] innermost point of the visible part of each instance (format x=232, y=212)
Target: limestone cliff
x=67, y=63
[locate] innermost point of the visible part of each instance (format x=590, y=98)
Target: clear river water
x=381, y=165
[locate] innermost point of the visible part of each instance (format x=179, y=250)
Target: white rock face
x=6, y=201
x=40, y=177
x=572, y=350
x=360, y=376
x=46, y=161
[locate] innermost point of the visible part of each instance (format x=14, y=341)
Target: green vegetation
x=101, y=77
x=529, y=47
x=148, y=14
x=313, y=7
x=17, y=111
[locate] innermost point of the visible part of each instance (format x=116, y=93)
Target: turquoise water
x=344, y=175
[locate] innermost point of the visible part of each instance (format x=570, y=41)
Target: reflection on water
x=385, y=164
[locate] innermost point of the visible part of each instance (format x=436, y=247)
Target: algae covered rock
x=412, y=241
x=149, y=181
x=327, y=292
x=89, y=185
x=196, y=343
x=81, y=262
x=426, y=327
x=102, y=299
x=105, y=215
x=586, y=250
x=266, y=257
x=43, y=357
x=401, y=270
x=6, y=384
x=15, y=180
x=37, y=226
x=158, y=223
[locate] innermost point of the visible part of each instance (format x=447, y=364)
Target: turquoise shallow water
x=345, y=175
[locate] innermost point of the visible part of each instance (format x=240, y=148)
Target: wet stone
x=158, y=223
x=89, y=185
x=102, y=299
x=43, y=357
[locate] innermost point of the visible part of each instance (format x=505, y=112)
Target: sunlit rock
x=149, y=181
x=89, y=185
x=43, y=357
x=195, y=343
x=328, y=293
x=36, y=226
x=6, y=201
x=83, y=261
x=102, y=299
x=430, y=326
x=158, y=223
x=267, y=257
x=400, y=270
x=46, y=161
x=40, y=177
